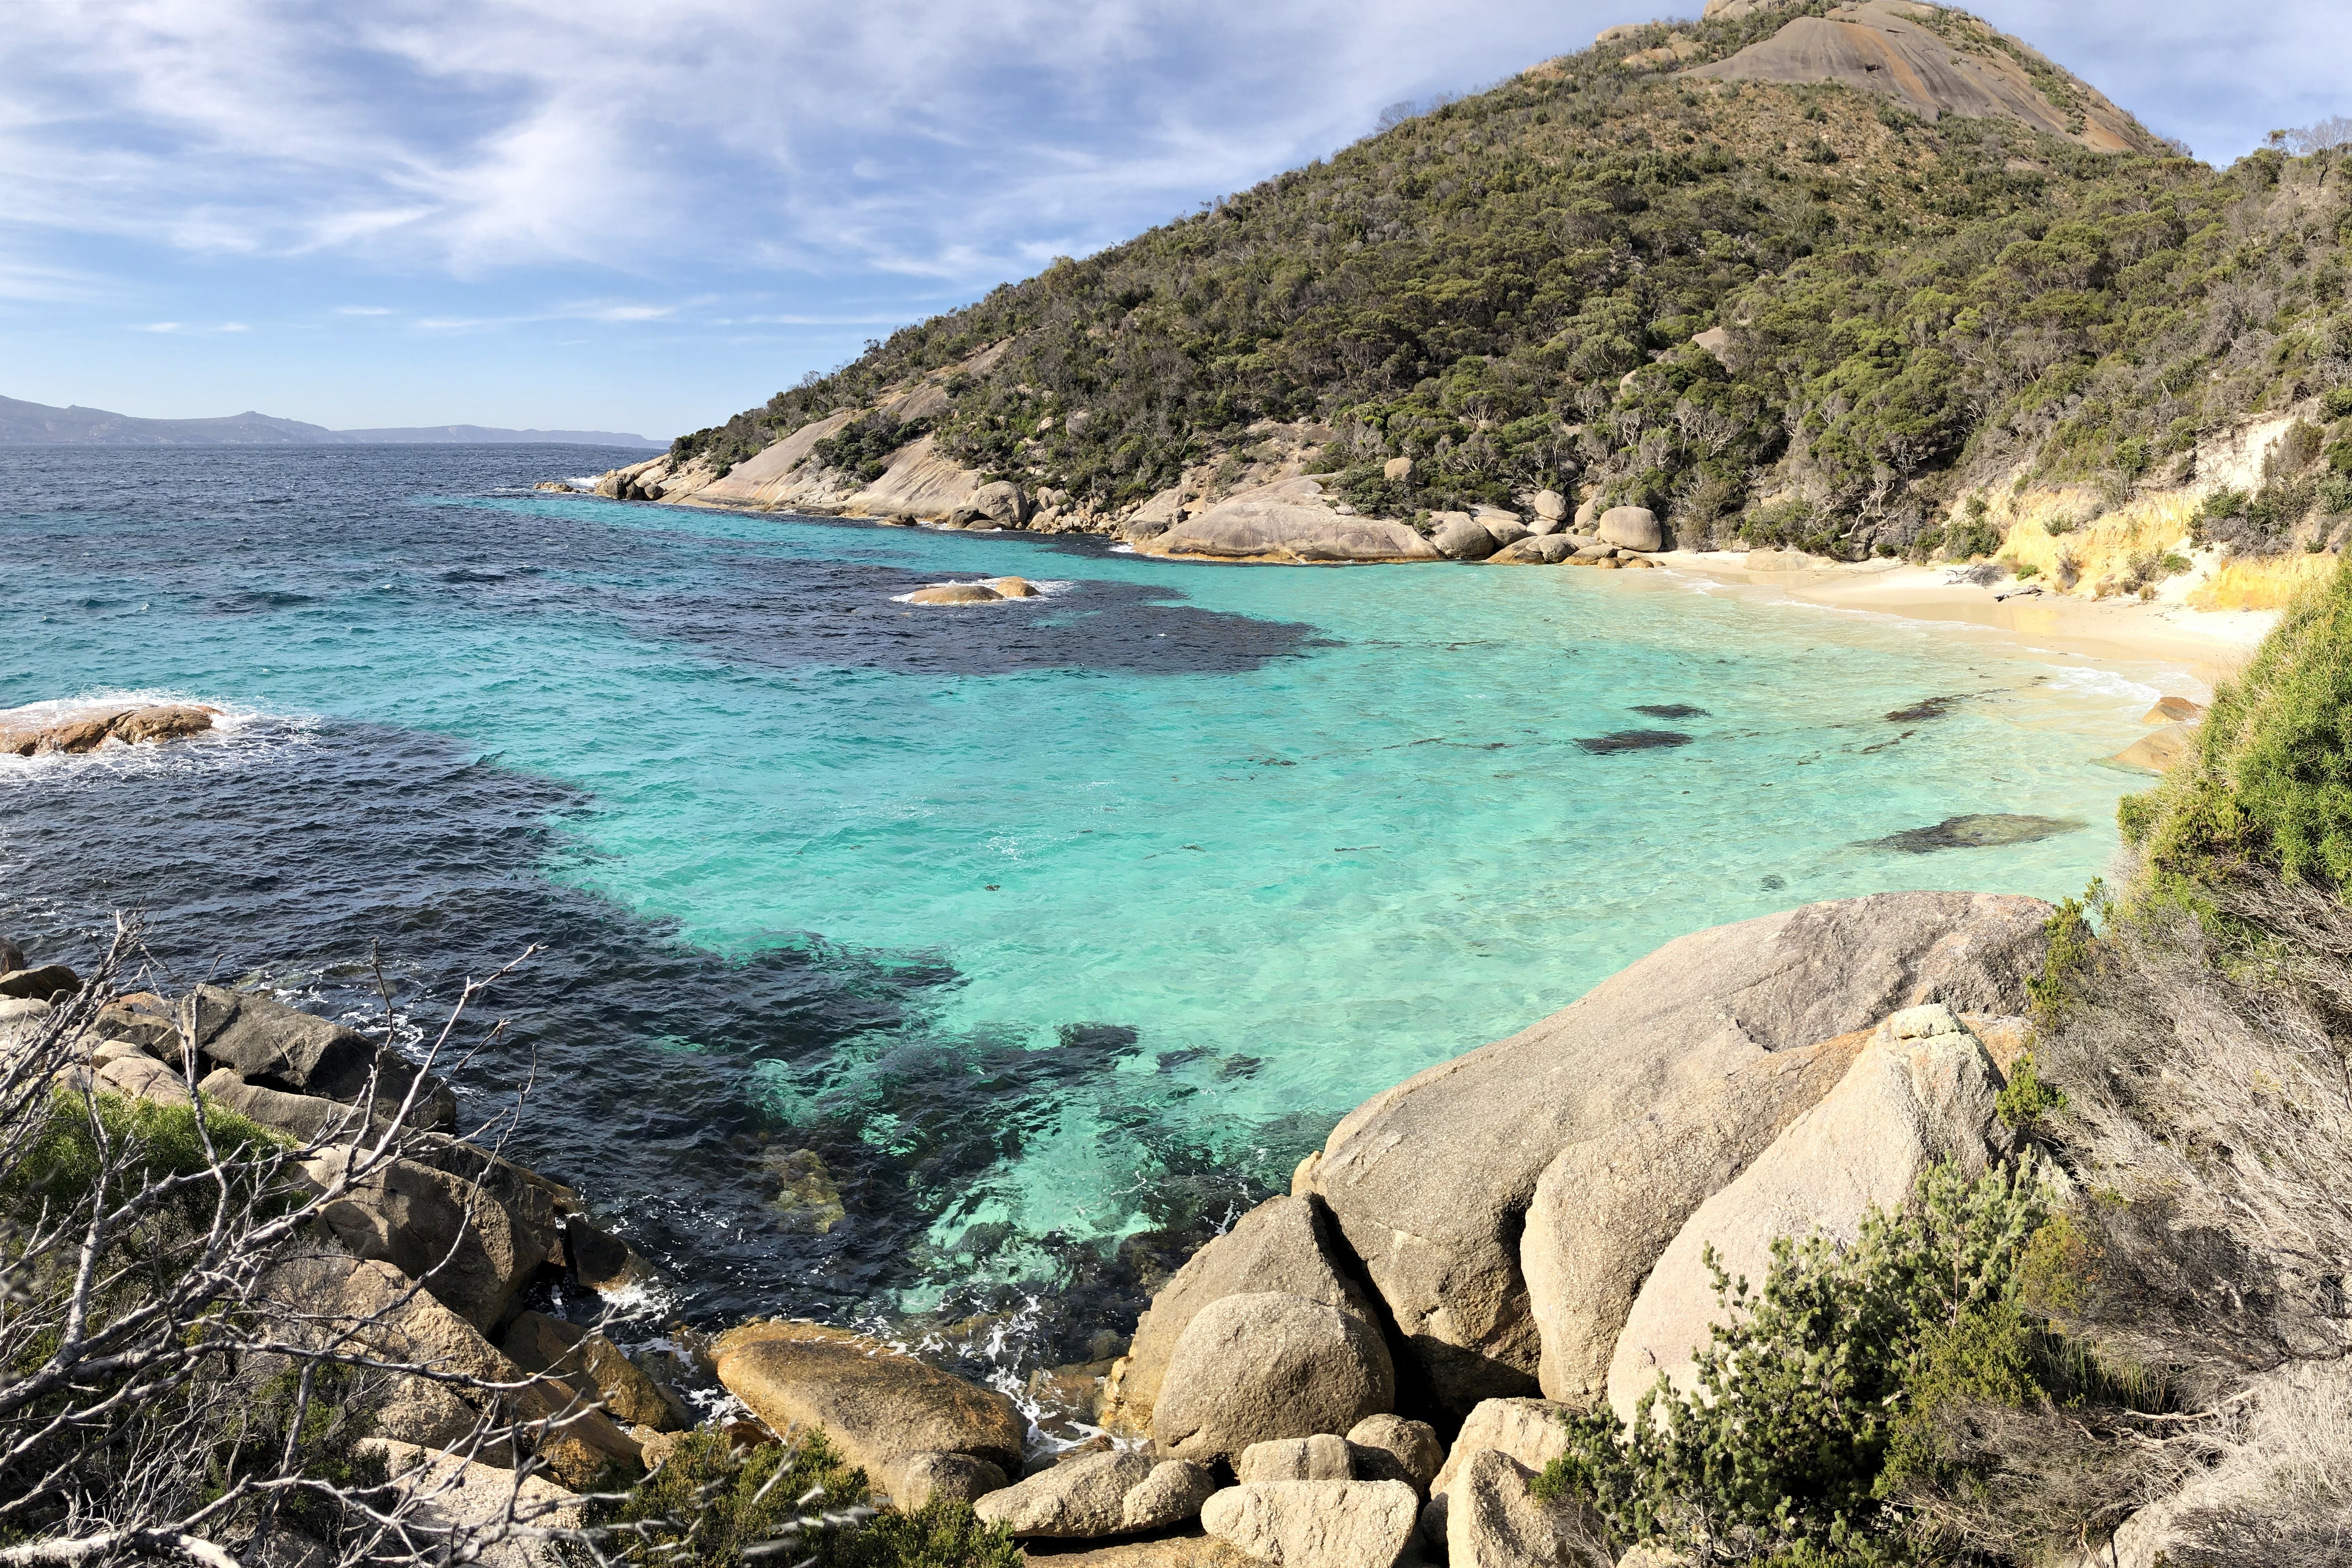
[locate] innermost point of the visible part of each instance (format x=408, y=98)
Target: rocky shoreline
x=1367, y=1370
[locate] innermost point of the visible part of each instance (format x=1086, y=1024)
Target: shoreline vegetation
x=1912, y=1228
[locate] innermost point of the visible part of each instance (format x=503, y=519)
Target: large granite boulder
x=1392, y=1448
x=879, y=1405
x=1249, y=1369
x=1322, y=1457
x=1431, y=1181
x=959, y=1477
x=1082, y=1497
x=1530, y=1432
x=1001, y=503
x=1289, y=522
x=1921, y=1092
x=1458, y=538
x=1316, y=1524
x=1609, y=1205
x=1632, y=527
x=1285, y=1243
x=1172, y=1494
x=471, y=1251
x=1495, y=1521
x=264, y=1041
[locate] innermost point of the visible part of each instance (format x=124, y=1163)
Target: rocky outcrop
x=1316, y=1524
x=1253, y=1368
x=1921, y=1092
x=1529, y=1432
x=1286, y=1244
x=1608, y=1205
x=1882, y=46
x=74, y=733
x=1431, y=1183
x=1288, y=521
x=880, y=1407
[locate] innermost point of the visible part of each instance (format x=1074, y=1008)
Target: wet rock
x=959, y=1477
x=1256, y=1367
x=807, y=1203
x=878, y=1404
x=602, y=1262
x=152, y=726
x=12, y=957
x=594, y=1365
x=1392, y=1448
x=264, y=1041
x=1082, y=1497
x=1317, y=1524
x=1976, y=831
x=1322, y=1457
x=954, y=593
x=1013, y=587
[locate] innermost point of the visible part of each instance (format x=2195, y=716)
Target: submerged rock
x=1671, y=710
x=1632, y=740
x=1976, y=831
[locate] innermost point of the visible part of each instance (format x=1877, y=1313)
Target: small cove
x=957, y=962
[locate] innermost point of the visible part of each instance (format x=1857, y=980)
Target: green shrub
x=2269, y=780
x=709, y=1505
x=2025, y=1099
x=1821, y=1395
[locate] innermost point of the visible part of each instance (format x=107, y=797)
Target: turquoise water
x=1282, y=837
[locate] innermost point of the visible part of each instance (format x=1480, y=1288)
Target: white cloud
x=363, y=309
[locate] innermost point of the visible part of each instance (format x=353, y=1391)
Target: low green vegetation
x=711, y=1506
x=1506, y=289
x=1824, y=1400
x=2268, y=786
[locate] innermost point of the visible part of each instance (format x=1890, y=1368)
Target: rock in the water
x=1978, y=831
x=1922, y=1092
x=1458, y=538
x=264, y=1041
x=1634, y=527
x=1430, y=1182
x=152, y=726
x=878, y=1406
x=1608, y=1206
x=1392, y=1448
x=1322, y=1457
x=1632, y=741
x=602, y=1263
x=12, y=957
x=1269, y=1364
x=955, y=593
x=594, y=1365
x=472, y=1251
x=45, y=984
x=1492, y=1521
x=1550, y=506
x=1012, y=587
x=1529, y=1431
x=2172, y=711
x=807, y=1202
x=1317, y=1524
x=959, y=1477
x=1285, y=1243
x=2156, y=752
x=1082, y=1497
x=1172, y=1494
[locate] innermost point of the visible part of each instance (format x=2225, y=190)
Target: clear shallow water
x=1045, y=926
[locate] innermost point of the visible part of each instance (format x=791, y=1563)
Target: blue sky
x=613, y=215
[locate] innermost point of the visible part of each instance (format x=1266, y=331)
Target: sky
x=611, y=215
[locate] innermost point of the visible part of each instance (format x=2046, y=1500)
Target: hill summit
x=1860, y=278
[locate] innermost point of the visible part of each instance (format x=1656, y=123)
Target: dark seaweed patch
x=1920, y=712
x=1671, y=710
x=1978, y=831
x=1632, y=740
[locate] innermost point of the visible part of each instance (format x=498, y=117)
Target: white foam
x=238, y=734
x=2086, y=682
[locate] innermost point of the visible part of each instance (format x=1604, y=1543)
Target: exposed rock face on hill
x=1934, y=62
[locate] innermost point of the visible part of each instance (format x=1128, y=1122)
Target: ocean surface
x=950, y=969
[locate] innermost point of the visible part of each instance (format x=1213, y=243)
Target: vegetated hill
x=1507, y=290
x=25, y=424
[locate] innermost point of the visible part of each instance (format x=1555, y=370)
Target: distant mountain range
x=38, y=424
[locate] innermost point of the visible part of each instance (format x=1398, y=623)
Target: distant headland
x=25, y=424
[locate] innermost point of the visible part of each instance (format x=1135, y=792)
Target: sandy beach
x=2209, y=645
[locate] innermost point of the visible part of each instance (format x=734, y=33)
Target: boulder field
x=1367, y=1370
